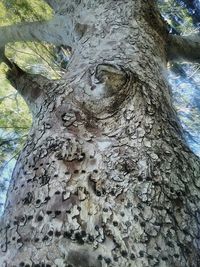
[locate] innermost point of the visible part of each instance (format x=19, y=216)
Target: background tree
x=105, y=178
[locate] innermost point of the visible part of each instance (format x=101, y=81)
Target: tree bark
x=105, y=178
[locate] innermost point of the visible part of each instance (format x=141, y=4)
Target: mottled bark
x=105, y=178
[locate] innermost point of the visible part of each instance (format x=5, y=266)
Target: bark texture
x=105, y=178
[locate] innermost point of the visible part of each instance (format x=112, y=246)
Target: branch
x=57, y=31
x=30, y=86
x=185, y=48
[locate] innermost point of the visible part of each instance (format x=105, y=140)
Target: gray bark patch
x=82, y=259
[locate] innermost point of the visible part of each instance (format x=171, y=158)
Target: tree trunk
x=105, y=178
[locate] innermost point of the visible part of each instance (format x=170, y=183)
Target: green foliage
x=14, y=111
x=34, y=58
x=15, y=120
x=12, y=11
x=177, y=15
x=30, y=56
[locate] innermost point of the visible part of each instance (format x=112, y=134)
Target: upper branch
x=56, y=31
x=30, y=86
x=21, y=80
x=184, y=48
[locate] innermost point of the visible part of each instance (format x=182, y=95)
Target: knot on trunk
x=113, y=77
x=80, y=30
x=103, y=88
